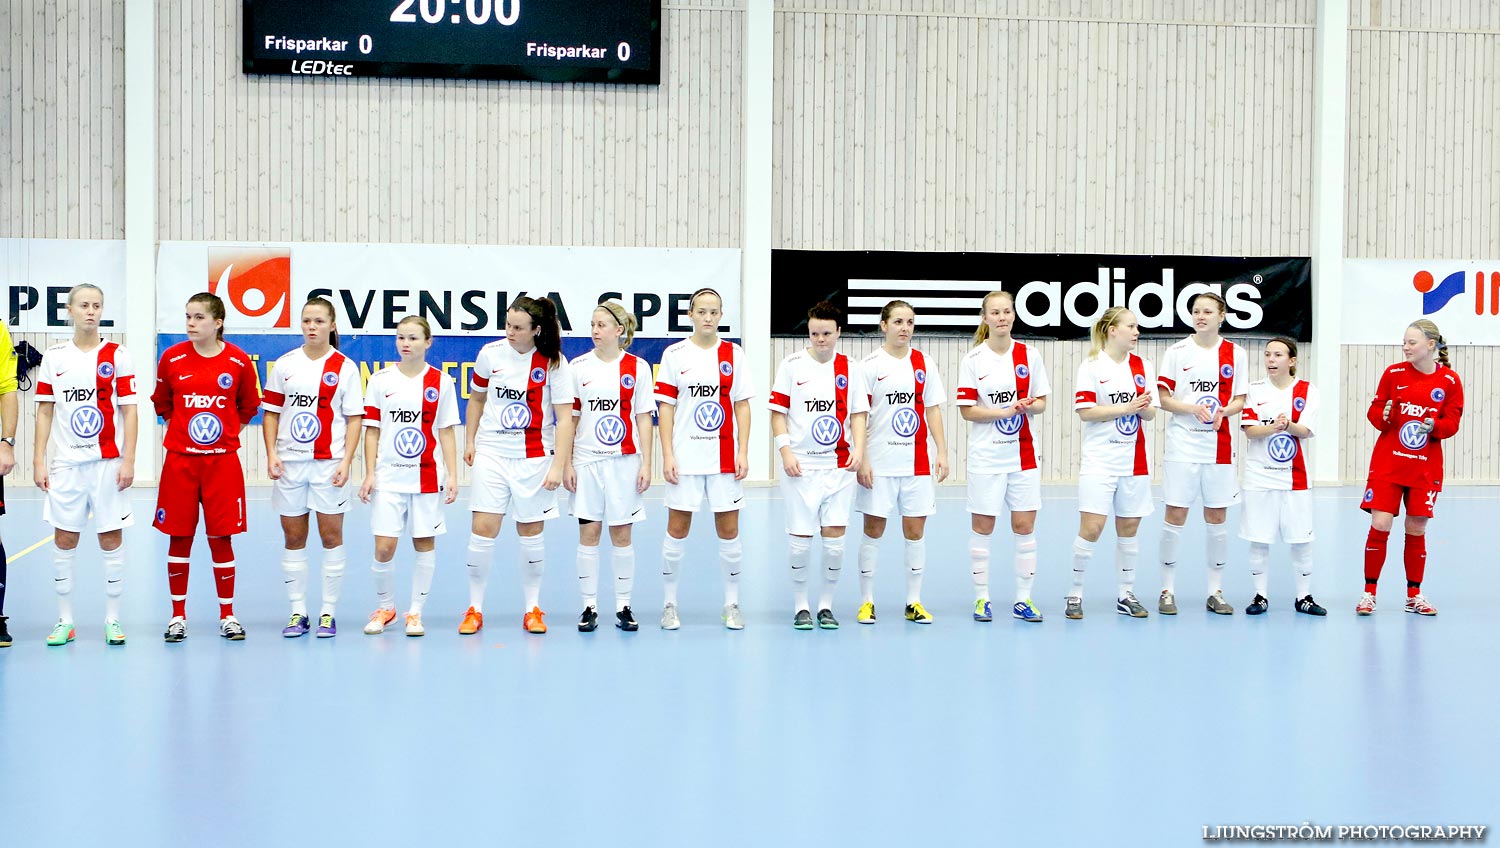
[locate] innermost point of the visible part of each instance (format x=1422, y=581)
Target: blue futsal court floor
x=1102, y=731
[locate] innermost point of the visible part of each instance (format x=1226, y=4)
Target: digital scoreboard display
x=610, y=41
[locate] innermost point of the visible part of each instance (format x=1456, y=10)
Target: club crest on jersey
x=106, y=370
x=515, y=416
x=1226, y=371
x=610, y=430
x=225, y=380
x=726, y=369
x=1140, y=381
x=1369, y=495
x=161, y=514
x=826, y=429
x=430, y=394
x=920, y=376
x=538, y=375
x=708, y=416
x=205, y=428
x=1281, y=448
x=305, y=427
x=905, y=422
x=1010, y=426
x=1412, y=437
x=410, y=443
x=1128, y=425
x=331, y=378
x=841, y=381
x=87, y=421
x=627, y=381
x=1299, y=404
x=1438, y=395
x=1022, y=371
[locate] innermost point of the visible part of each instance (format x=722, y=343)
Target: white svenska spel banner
x=1383, y=296
x=36, y=274
x=460, y=289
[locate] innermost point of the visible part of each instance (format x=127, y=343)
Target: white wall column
x=755, y=295
x=140, y=219
x=1330, y=138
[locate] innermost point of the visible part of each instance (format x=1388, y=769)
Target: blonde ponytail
x=1099, y=333
x=982, y=332
x=1430, y=330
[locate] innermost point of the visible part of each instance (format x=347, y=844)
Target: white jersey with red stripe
x=607, y=396
x=519, y=421
x=900, y=391
x=409, y=412
x=704, y=385
x=312, y=398
x=1202, y=375
x=87, y=389
x=1117, y=447
x=818, y=399
x=988, y=379
x=1278, y=462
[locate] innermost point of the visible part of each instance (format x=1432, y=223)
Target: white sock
x=481, y=553
x=869, y=555
x=916, y=563
x=62, y=569
x=1083, y=551
x=294, y=566
x=1025, y=565
x=1218, y=552
x=671, y=566
x=421, y=579
x=114, y=582
x=1302, y=568
x=833, y=566
x=533, y=560
x=979, y=564
x=731, y=557
x=333, y=577
x=385, y=584
x=1127, y=551
x=1171, y=535
x=588, y=574
x=1259, y=556
x=623, y=562
x=799, y=556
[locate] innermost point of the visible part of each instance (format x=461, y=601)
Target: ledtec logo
x=1436, y=295
x=255, y=284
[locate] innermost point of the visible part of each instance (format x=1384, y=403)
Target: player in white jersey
x=818, y=410
x=1202, y=385
x=612, y=406
x=906, y=449
x=1280, y=416
x=312, y=406
x=86, y=411
x=706, y=453
x=1114, y=399
x=1002, y=387
x=411, y=468
x=519, y=440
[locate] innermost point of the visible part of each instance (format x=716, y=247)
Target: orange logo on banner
x=253, y=282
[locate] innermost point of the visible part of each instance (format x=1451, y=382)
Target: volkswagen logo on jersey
x=627, y=381
x=205, y=428
x=305, y=427
x=905, y=422
x=1299, y=404
x=726, y=369
x=331, y=378
x=1282, y=448
x=841, y=381
x=1438, y=395
x=1140, y=381
x=826, y=429
x=106, y=370
x=1010, y=426
x=431, y=394
x=610, y=430
x=1128, y=425
x=87, y=422
x=920, y=376
x=1209, y=401
x=1412, y=437
x=515, y=416
x=225, y=381
x=1022, y=371
x=538, y=374
x=1226, y=371
x=709, y=416
x=410, y=442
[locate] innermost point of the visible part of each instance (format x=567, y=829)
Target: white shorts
x=724, y=493
x=508, y=486
x=1125, y=497
x=606, y=491
x=911, y=497
x=1273, y=516
x=1185, y=482
x=419, y=516
x=821, y=497
x=307, y=484
x=72, y=490
x=1017, y=491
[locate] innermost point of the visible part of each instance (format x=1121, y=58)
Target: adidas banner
x=1058, y=296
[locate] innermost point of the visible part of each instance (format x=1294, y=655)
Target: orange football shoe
x=533, y=621
x=473, y=622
